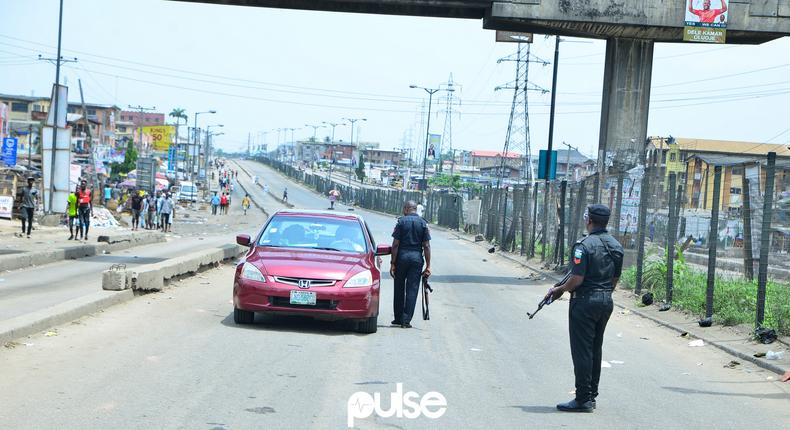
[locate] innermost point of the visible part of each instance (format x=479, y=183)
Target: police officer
x=411, y=239
x=595, y=269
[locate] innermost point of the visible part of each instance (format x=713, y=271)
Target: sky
x=266, y=69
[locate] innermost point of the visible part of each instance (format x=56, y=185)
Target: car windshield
x=332, y=234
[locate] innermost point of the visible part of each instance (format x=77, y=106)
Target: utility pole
x=353, y=122
x=430, y=92
x=568, y=161
x=315, y=128
x=196, y=139
x=89, y=137
x=333, y=125
x=517, y=138
x=141, y=120
x=56, y=105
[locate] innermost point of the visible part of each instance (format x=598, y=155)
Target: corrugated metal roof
x=724, y=146
x=495, y=154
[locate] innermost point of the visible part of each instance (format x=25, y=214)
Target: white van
x=187, y=192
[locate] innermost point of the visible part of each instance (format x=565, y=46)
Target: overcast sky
x=263, y=69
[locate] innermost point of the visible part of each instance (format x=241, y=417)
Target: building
x=102, y=119
x=143, y=118
x=311, y=151
x=19, y=115
x=694, y=161
x=573, y=165
x=382, y=157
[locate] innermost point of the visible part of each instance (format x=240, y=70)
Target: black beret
x=598, y=211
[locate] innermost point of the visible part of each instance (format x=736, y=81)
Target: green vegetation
x=734, y=300
x=361, y=168
x=454, y=182
x=129, y=161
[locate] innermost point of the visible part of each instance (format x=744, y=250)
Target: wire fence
x=727, y=226
x=710, y=237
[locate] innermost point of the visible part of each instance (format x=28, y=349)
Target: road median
x=106, y=243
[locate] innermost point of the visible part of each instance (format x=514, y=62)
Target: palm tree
x=178, y=114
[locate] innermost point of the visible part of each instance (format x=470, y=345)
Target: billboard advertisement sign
x=706, y=21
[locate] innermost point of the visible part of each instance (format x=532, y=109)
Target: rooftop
x=495, y=154
x=723, y=146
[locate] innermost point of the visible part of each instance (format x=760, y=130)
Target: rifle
x=549, y=300
x=426, y=313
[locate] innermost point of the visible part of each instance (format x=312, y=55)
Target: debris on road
x=625, y=312
x=11, y=345
x=475, y=349
x=620, y=334
x=644, y=337
x=759, y=354
x=605, y=364
x=771, y=355
x=732, y=364
x=51, y=333
x=697, y=342
x=684, y=334
x=647, y=299
x=765, y=336
x=616, y=362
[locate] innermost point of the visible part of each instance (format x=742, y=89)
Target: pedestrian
x=595, y=269
x=85, y=208
x=107, y=193
x=420, y=210
x=333, y=195
x=245, y=203
x=223, y=204
x=266, y=188
x=411, y=248
x=285, y=195
x=159, y=201
x=29, y=203
x=144, y=212
x=71, y=211
x=150, y=215
x=214, y=203
x=168, y=212
x=137, y=207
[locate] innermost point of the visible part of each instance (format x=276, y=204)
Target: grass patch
x=734, y=300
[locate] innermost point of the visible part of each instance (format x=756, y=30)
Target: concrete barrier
x=114, y=242
x=152, y=277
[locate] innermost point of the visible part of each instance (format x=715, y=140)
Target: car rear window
x=334, y=234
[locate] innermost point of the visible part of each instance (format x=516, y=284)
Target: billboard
x=706, y=21
x=513, y=36
x=160, y=136
x=9, y=151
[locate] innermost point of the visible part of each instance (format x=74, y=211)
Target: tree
x=361, y=167
x=129, y=161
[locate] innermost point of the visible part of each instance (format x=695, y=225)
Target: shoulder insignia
x=578, y=253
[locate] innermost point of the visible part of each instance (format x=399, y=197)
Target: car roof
x=321, y=213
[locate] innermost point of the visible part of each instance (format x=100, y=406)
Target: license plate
x=302, y=297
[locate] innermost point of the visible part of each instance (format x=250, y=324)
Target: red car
x=315, y=263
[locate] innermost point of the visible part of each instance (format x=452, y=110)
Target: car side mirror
x=243, y=239
x=383, y=250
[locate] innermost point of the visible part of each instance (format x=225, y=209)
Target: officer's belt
x=589, y=293
x=410, y=248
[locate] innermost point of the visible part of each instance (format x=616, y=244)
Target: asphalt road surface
x=176, y=360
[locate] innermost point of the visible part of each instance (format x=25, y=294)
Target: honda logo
x=304, y=283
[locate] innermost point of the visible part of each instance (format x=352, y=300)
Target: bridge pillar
x=626, y=99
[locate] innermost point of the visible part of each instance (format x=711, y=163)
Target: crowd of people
x=152, y=212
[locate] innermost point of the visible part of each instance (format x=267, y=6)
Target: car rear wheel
x=241, y=316
x=369, y=325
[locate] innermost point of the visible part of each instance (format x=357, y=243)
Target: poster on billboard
x=160, y=136
x=706, y=21
x=6, y=206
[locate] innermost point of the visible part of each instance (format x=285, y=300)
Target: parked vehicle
x=321, y=264
x=187, y=192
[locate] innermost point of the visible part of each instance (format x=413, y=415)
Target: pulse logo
x=402, y=405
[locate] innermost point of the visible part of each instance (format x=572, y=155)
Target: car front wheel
x=368, y=325
x=241, y=316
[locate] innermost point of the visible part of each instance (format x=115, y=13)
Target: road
x=176, y=360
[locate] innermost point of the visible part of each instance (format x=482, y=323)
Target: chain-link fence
x=712, y=213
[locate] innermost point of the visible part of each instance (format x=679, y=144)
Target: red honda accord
x=315, y=263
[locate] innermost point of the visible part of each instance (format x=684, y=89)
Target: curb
x=72, y=252
x=729, y=350
x=34, y=322
x=251, y=199
x=156, y=274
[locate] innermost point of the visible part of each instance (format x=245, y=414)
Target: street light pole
x=192, y=163
x=353, y=121
x=315, y=128
x=206, y=147
x=333, y=125
x=430, y=92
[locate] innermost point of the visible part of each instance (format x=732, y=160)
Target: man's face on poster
x=706, y=4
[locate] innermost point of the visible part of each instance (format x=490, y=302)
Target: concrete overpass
x=630, y=27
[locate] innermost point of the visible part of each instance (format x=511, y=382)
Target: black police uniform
x=411, y=231
x=599, y=258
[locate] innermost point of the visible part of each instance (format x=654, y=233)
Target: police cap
x=599, y=213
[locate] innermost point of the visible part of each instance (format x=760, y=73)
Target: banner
x=9, y=151
x=160, y=136
x=704, y=23
x=6, y=206
x=434, y=141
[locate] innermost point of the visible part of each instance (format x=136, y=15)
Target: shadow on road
x=681, y=390
x=296, y=324
x=480, y=279
x=537, y=409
